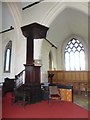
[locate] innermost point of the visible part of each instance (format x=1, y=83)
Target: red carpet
x=42, y=110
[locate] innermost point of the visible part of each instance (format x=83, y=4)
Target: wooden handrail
x=19, y=73
x=19, y=79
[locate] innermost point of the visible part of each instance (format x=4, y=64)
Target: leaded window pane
x=7, y=58
x=74, y=55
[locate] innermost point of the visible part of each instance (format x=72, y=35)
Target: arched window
x=74, y=55
x=7, y=61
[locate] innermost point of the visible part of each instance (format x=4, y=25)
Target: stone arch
x=59, y=7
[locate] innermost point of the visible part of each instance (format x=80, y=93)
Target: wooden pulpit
x=32, y=74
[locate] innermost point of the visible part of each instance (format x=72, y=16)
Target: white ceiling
x=24, y=4
x=67, y=23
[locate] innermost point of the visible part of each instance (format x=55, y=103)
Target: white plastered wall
x=1, y=42
x=89, y=38
x=43, y=13
x=18, y=57
x=6, y=37
x=45, y=49
x=20, y=40
x=0, y=60
x=37, y=13
x=20, y=54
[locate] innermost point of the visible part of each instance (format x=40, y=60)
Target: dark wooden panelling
x=78, y=79
x=30, y=52
x=32, y=74
x=35, y=30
